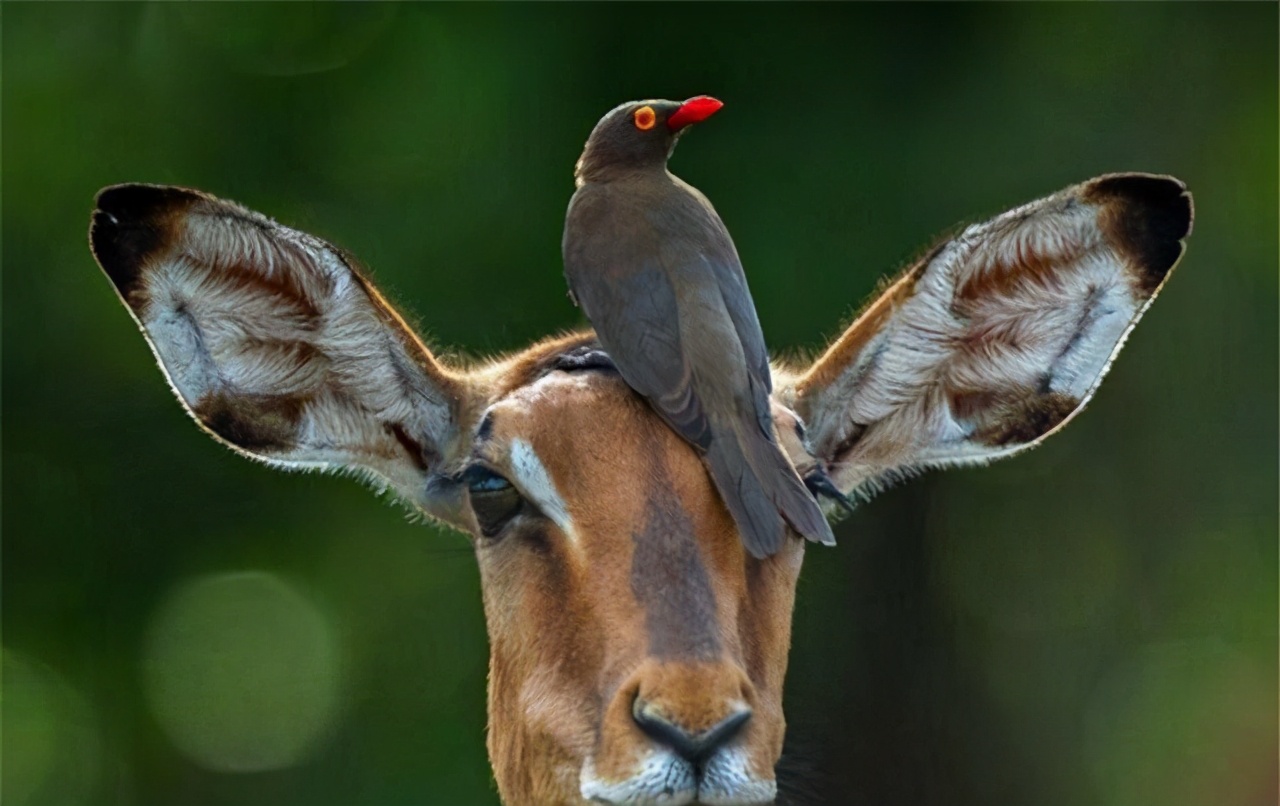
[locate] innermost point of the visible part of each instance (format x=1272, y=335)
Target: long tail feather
x=762, y=490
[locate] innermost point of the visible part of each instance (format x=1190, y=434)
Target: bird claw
x=820, y=484
x=584, y=358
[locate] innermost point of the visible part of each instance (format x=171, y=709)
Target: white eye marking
x=534, y=480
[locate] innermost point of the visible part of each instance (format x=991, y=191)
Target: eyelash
x=494, y=500
x=479, y=478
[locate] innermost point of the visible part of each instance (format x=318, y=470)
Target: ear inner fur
x=273, y=341
x=998, y=337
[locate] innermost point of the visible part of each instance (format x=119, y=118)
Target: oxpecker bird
x=651, y=264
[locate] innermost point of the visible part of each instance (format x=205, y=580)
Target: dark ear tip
x=1150, y=217
x=132, y=222
x=132, y=202
x=1165, y=198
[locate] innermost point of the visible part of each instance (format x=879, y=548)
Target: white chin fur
x=664, y=779
x=726, y=781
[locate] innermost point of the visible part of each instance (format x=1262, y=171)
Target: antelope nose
x=690, y=745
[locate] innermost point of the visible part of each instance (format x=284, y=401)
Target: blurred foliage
x=1094, y=623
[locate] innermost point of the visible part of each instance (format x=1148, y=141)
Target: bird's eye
x=645, y=118
x=494, y=500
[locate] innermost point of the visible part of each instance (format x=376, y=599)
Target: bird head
x=641, y=134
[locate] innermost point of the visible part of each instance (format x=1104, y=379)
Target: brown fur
x=257, y=423
x=614, y=606
x=1001, y=277
x=1028, y=419
x=281, y=285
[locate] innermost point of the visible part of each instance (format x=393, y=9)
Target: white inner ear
x=999, y=339
x=274, y=343
x=535, y=482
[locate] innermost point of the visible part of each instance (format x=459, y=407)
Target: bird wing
x=620, y=272
x=742, y=311
x=726, y=267
x=624, y=290
x=634, y=312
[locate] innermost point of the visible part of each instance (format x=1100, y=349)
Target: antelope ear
x=271, y=339
x=998, y=337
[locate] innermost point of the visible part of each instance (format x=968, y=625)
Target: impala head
x=638, y=653
x=637, y=648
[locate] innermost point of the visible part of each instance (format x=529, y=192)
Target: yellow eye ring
x=645, y=117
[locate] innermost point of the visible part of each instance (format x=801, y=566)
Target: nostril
x=689, y=745
x=724, y=732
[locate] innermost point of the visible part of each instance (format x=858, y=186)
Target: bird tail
x=762, y=490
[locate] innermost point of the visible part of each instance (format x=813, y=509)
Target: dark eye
x=493, y=499
x=481, y=479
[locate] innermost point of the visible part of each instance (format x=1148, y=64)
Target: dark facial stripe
x=669, y=580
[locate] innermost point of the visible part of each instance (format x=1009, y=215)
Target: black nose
x=691, y=746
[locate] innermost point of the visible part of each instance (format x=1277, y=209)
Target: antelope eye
x=493, y=499
x=481, y=479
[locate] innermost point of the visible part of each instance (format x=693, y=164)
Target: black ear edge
x=132, y=201
x=131, y=222
x=1147, y=217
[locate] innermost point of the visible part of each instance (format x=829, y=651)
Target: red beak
x=694, y=110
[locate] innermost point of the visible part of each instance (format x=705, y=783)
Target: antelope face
x=638, y=652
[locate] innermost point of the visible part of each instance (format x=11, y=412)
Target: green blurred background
x=1093, y=623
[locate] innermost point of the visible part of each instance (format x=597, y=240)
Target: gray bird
x=651, y=264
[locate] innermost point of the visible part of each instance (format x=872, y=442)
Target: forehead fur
x=511, y=373
x=558, y=407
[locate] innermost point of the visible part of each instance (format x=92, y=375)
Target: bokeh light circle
x=242, y=672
